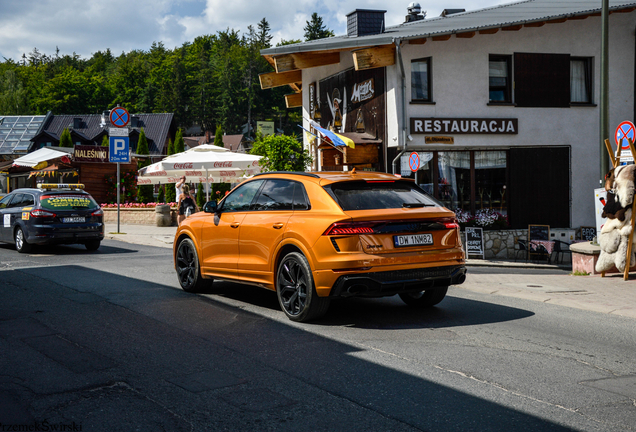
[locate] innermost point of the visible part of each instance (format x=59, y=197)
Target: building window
x=499, y=79
x=421, y=80
x=580, y=80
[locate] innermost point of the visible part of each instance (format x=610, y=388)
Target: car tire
x=422, y=299
x=92, y=245
x=188, y=268
x=21, y=244
x=296, y=291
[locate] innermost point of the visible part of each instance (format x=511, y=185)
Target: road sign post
x=623, y=131
x=414, y=162
x=119, y=151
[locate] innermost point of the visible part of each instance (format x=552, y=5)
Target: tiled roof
x=231, y=142
x=156, y=127
x=505, y=15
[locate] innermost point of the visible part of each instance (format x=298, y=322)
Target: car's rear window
x=363, y=195
x=67, y=201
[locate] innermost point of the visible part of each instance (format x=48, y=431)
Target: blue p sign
x=119, y=149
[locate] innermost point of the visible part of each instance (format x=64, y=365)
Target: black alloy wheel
x=188, y=270
x=296, y=291
x=423, y=299
x=21, y=244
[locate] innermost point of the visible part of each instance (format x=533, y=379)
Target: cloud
x=88, y=26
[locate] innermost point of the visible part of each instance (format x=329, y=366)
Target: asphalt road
x=106, y=341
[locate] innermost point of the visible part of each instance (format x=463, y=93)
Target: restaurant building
x=496, y=108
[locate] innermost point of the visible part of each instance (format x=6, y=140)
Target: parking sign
x=119, y=149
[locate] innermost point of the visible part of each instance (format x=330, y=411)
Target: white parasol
x=202, y=164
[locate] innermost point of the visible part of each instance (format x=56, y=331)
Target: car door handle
x=278, y=225
x=234, y=224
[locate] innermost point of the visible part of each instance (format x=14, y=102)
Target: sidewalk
x=554, y=285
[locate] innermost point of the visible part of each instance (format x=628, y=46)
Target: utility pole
x=604, y=111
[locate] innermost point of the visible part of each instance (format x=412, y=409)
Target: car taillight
x=345, y=228
x=39, y=213
x=451, y=225
x=99, y=212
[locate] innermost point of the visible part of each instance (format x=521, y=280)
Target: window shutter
x=542, y=80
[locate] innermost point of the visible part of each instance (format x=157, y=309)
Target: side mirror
x=210, y=207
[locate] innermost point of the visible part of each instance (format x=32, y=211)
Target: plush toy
x=612, y=208
x=614, y=240
x=621, y=181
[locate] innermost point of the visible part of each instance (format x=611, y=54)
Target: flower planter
x=138, y=216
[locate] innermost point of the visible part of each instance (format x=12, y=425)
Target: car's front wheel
x=296, y=291
x=21, y=244
x=427, y=298
x=188, y=270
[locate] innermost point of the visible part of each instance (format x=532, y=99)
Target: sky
x=87, y=26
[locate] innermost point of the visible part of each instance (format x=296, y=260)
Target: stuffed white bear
x=613, y=240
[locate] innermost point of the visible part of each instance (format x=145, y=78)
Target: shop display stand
x=616, y=160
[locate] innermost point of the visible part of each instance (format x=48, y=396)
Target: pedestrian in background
x=186, y=204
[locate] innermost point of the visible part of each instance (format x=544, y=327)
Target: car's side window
x=240, y=199
x=4, y=202
x=16, y=201
x=300, y=197
x=28, y=200
x=275, y=195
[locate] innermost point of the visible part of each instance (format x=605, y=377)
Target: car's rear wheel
x=427, y=298
x=21, y=244
x=296, y=291
x=188, y=269
x=92, y=245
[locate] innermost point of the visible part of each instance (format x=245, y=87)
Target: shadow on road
x=275, y=375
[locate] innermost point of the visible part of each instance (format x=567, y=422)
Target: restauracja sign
x=464, y=126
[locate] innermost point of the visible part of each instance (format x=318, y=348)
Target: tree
x=315, y=29
x=161, y=198
x=145, y=193
x=65, y=139
x=105, y=141
x=200, y=195
x=171, y=193
x=281, y=153
x=170, y=147
x=179, y=144
x=218, y=136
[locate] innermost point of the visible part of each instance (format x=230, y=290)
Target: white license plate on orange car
x=73, y=220
x=413, y=240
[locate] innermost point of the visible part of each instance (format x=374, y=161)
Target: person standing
x=179, y=186
x=186, y=202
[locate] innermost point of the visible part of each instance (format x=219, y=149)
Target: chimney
x=77, y=123
x=365, y=22
x=134, y=121
x=447, y=12
x=414, y=10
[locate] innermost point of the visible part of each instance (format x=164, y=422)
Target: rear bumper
x=388, y=283
x=44, y=235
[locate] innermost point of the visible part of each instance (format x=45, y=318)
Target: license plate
x=413, y=240
x=73, y=220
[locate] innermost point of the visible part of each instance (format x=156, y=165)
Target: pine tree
x=161, y=198
x=218, y=136
x=316, y=29
x=179, y=144
x=171, y=193
x=170, y=147
x=105, y=141
x=145, y=194
x=200, y=195
x=65, y=139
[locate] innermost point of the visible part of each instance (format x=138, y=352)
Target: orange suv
x=314, y=236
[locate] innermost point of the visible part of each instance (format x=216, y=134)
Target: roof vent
x=414, y=11
x=365, y=22
x=447, y=12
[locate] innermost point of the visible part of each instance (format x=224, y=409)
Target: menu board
x=474, y=241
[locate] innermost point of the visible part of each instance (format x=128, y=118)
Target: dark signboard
x=588, y=233
x=457, y=126
x=474, y=241
x=89, y=153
